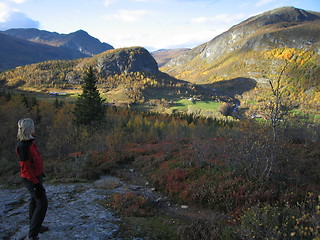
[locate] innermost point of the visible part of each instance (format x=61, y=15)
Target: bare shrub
x=226, y=109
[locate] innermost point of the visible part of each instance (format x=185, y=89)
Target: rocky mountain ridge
x=282, y=27
x=255, y=51
x=26, y=46
x=17, y=52
x=79, y=41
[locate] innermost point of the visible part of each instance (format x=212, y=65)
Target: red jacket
x=31, y=163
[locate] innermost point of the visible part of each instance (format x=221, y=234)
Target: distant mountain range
x=163, y=56
x=231, y=64
x=26, y=46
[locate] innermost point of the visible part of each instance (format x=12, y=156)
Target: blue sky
x=153, y=24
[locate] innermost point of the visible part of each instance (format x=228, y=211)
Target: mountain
x=27, y=46
x=79, y=41
x=16, y=52
x=108, y=64
x=126, y=75
x=163, y=56
x=243, y=59
x=124, y=60
x=286, y=27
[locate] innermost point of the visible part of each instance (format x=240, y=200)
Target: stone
x=73, y=213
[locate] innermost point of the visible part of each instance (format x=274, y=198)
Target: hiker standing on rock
x=31, y=170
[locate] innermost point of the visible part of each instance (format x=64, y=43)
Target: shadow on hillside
x=233, y=86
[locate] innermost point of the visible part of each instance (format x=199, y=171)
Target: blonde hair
x=25, y=129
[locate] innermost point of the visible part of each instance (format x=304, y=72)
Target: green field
x=183, y=105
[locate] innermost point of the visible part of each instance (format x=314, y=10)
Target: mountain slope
x=264, y=31
x=108, y=63
x=256, y=49
x=79, y=41
x=26, y=46
x=16, y=52
x=127, y=75
x=165, y=55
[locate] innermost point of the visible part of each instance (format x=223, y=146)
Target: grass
x=251, y=102
x=183, y=105
x=67, y=98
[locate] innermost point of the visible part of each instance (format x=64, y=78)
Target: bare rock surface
x=73, y=213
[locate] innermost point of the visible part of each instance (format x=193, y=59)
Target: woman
x=31, y=171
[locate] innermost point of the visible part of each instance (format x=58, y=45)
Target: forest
x=217, y=165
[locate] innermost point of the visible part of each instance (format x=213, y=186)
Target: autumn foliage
x=204, y=163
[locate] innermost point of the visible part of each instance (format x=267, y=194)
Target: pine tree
x=89, y=107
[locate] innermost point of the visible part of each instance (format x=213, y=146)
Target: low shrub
x=265, y=221
x=130, y=204
x=206, y=229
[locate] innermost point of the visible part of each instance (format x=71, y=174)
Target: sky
x=153, y=24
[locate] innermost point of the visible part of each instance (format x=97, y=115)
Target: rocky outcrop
x=73, y=213
x=125, y=60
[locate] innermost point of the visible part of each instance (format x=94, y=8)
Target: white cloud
x=4, y=12
x=109, y=2
x=19, y=1
x=11, y=18
x=149, y=1
x=244, y=5
x=183, y=39
x=154, y=40
x=264, y=2
x=129, y=15
x=220, y=18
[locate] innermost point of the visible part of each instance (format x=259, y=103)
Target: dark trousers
x=37, y=208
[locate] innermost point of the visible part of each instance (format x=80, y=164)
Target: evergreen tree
x=89, y=107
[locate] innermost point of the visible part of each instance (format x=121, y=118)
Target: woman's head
x=25, y=129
